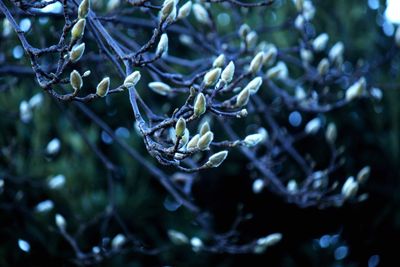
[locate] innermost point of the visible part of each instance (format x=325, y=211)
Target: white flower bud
x=168, y=10
x=196, y=244
x=270, y=55
x=103, y=87
x=86, y=73
x=83, y=9
x=118, y=241
x=313, y=126
x=253, y=139
x=356, y=90
x=331, y=133
x=256, y=63
x=25, y=112
x=180, y=127
x=306, y=56
x=323, y=66
x=185, y=138
x=177, y=238
x=219, y=61
x=320, y=42
x=160, y=88
x=216, y=159
x=53, y=147
x=36, y=100
x=24, y=245
x=336, y=52
x=251, y=39
x=184, y=11
x=77, y=52
x=265, y=242
x=162, y=47
x=78, y=29
x=205, y=140
x=308, y=10
x=44, y=206
x=60, y=222
x=193, y=142
x=292, y=186
x=376, y=93
x=56, y=182
x=244, y=29
x=350, y=188
x=200, y=13
x=228, y=72
x=299, y=22
x=299, y=93
x=258, y=186
x=363, y=174
x=397, y=36
x=280, y=71
x=205, y=127
x=132, y=79
x=75, y=80
x=243, y=98
x=199, y=105
x=254, y=85
x=212, y=76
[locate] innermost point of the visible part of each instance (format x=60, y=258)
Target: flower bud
x=299, y=22
x=162, y=47
x=331, y=133
x=212, y=76
x=363, y=174
x=118, y=241
x=196, y=244
x=180, y=127
x=177, y=238
x=160, y=88
x=167, y=9
x=77, y=52
x=227, y=73
x=251, y=39
x=292, y=186
x=103, y=87
x=255, y=64
x=323, y=66
x=336, y=52
x=265, y=242
x=132, y=79
x=306, y=56
x=60, y=222
x=258, y=186
x=300, y=93
x=320, y=42
x=356, y=90
x=313, y=126
x=244, y=29
x=86, y=73
x=253, y=139
x=199, y=105
x=75, y=80
x=216, y=159
x=53, y=147
x=200, y=13
x=308, y=10
x=280, y=71
x=350, y=188
x=113, y=4
x=56, y=182
x=299, y=4
x=185, y=138
x=83, y=9
x=243, y=98
x=205, y=140
x=193, y=142
x=205, y=127
x=254, y=85
x=219, y=61
x=269, y=56
x=184, y=11
x=78, y=29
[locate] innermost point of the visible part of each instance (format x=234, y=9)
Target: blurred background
x=47, y=168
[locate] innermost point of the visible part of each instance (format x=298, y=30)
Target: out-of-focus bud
x=306, y=56
x=376, y=93
x=184, y=11
x=243, y=98
x=243, y=113
x=313, y=126
x=251, y=39
x=180, y=127
x=36, y=100
x=258, y=186
x=44, y=206
x=336, y=52
x=397, y=36
x=265, y=242
x=205, y=127
x=56, y=182
x=78, y=29
x=320, y=42
x=356, y=90
x=280, y=71
x=219, y=61
x=299, y=4
x=292, y=186
x=244, y=29
x=331, y=133
x=256, y=63
x=254, y=85
x=113, y=4
x=86, y=73
x=269, y=55
x=205, y=141
x=350, y=188
x=253, y=139
x=200, y=13
x=308, y=10
x=323, y=66
x=160, y=88
x=193, y=142
x=103, y=87
x=60, y=222
x=75, y=80
x=185, y=138
x=299, y=22
x=53, y=147
x=196, y=244
x=77, y=52
x=167, y=9
x=199, y=105
x=83, y=9
x=228, y=72
x=118, y=241
x=212, y=76
x=132, y=79
x=299, y=93
x=177, y=238
x=363, y=174
x=216, y=159
x=25, y=111
x=162, y=47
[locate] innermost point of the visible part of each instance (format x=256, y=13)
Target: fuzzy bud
x=323, y=66
x=177, y=238
x=160, y=88
x=292, y=186
x=269, y=56
x=244, y=29
x=78, y=29
x=356, y=90
x=331, y=133
x=103, y=87
x=60, y=222
x=184, y=11
x=200, y=13
x=167, y=8
x=350, y=188
x=212, y=76
x=205, y=127
x=196, y=244
x=77, y=52
x=180, y=127
x=162, y=47
x=258, y=186
x=199, y=105
x=299, y=4
x=265, y=242
x=306, y=56
x=228, y=72
x=363, y=174
x=205, y=141
x=253, y=139
x=313, y=126
x=336, y=52
x=219, y=61
x=251, y=39
x=83, y=9
x=75, y=80
x=132, y=79
x=216, y=159
x=299, y=22
x=256, y=63
x=243, y=98
x=254, y=85
x=118, y=241
x=320, y=42
x=193, y=142
x=280, y=71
